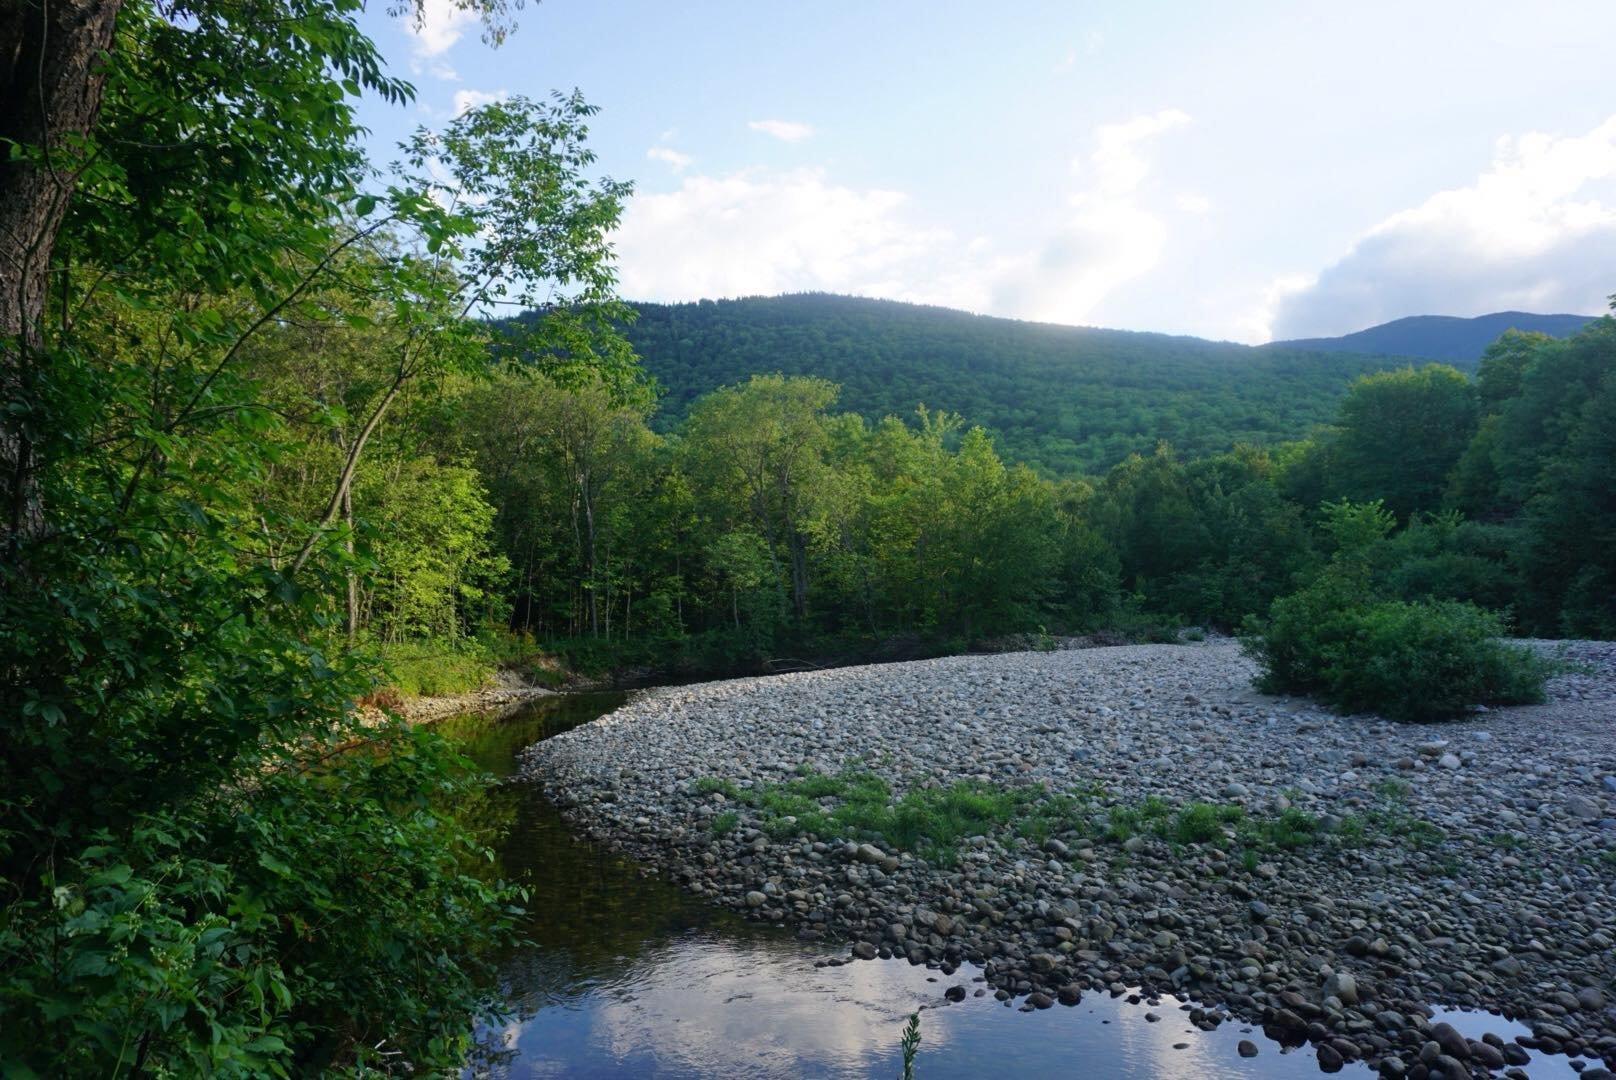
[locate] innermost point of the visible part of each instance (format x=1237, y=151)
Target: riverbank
x=1149, y=822
x=506, y=689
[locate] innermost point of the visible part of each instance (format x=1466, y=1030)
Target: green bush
x=1406, y=661
x=437, y=668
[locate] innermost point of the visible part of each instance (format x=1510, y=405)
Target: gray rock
x=1342, y=985
x=1580, y=806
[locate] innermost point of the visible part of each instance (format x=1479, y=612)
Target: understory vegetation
x=934, y=821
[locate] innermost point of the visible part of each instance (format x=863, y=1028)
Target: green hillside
x=1061, y=398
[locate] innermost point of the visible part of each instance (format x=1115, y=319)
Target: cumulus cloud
x=1112, y=234
x=437, y=25
x=759, y=231
x=765, y=231
x=784, y=130
x=1535, y=231
x=466, y=100
x=670, y=157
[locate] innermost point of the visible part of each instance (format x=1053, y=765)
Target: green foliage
x=1290, y=828
x=910, y=1044
x=426, y=668
x=1400, y=434
x=1199, y=823
x=1063, y=400
x=200, y=877
x=1407, y=661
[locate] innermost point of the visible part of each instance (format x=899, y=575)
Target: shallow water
x=627, y=976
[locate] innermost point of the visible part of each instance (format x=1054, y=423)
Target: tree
x=196, y=879
x=761, y=443
x=1400, y=435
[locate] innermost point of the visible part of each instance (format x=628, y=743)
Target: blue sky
x=1239, y=170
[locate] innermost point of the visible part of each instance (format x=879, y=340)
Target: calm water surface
x=627, y=976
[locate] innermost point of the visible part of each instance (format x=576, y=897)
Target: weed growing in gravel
x=1128, y=821
x=1054, y=815
x=707, y=785
x=1393, y=790
x=1201, y=823
x=1289, y=829
x=857, y=804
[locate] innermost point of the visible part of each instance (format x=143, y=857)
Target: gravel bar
x=1485, y=877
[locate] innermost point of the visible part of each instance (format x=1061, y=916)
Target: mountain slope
x=1440, y=337
x=1062, y=398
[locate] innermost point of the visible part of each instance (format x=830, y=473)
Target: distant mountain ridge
x=1440, y=337
x=1064, y=399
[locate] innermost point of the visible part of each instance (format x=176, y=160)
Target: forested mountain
x=1440, y=337
x=1062, y=399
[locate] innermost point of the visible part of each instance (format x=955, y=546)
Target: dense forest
x=770, y=522
x=1061, y=399
x=263, y=454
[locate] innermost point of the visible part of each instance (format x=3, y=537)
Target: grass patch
x=1289, y=829
x=1054, y=815
x=725, y=823
x=436, y=668
x=1201, y=823
x=707, y=785
x=932, y=822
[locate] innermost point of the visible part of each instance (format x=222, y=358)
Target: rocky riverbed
x=1342, y=875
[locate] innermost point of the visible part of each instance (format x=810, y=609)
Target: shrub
x=436, y=668
x=1407, y=661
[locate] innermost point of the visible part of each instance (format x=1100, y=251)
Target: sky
x=1246, y=171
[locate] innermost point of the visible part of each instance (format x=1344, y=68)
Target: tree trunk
x=352, y=625
x=799, y=575
x=51, y=77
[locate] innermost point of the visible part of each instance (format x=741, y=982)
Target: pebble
x=1501, y=899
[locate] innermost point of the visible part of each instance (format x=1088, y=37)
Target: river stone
x=1449, y=1041
x=1342, y=985
x=756, y=899
x=1167, y=919
x=1581, y=806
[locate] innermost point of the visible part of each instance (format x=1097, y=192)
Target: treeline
x=1063, y=400
x=221, y=327
x=769, y=524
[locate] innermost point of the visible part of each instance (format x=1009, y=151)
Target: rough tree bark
x=51, y=78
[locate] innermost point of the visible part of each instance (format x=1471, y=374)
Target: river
x=627, y=976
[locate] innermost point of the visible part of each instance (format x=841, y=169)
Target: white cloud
x=466, y=100
x=437, y=25
x=760, y=231
x=765, y=231
x=669, y=156
x=1110, y=237
x=1536, y=231
x=784, y=130
x=1193, y=202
